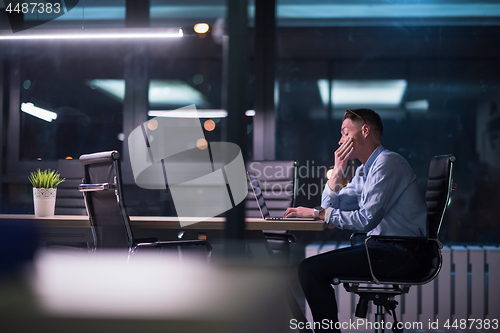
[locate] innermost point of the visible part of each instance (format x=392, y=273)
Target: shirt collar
x=371, y=159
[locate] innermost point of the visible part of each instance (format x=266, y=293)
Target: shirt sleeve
x=388, y=178
x=345, y=199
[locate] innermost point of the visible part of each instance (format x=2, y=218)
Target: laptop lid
x=254, y=183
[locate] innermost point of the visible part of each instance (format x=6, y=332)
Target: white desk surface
x=170, y=222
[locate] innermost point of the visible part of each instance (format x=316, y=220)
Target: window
x=88, y=117
x=437, y=75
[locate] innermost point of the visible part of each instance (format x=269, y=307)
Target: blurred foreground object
x=110, y=291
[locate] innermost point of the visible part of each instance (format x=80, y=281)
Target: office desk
x=71, y=229
x=167, y=222
x=76, y=228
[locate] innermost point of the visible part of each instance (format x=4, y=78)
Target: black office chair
x=278, y=181
x=109, y=220
x=439, y=187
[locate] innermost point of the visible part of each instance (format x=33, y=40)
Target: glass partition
x=431, y=71
x=86, y=115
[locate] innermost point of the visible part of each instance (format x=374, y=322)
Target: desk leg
x=259, y=249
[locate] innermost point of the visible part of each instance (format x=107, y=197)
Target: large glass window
x=68, y=84
x=432, y=77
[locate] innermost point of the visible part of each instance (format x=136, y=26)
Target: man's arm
x=330, y=195
x=383, y=188
x=345, y=199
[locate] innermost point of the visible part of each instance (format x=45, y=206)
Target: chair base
x=382, y=298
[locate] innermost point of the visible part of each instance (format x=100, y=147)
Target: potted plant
x=44, y=190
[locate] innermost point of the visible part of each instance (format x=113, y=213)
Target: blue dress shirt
x=383, y=198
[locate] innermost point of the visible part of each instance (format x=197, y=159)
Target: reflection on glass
x=161, y=92
x=40, y=113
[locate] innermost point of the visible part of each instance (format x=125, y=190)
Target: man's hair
x=366, y=116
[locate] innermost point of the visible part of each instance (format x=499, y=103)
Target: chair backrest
x=278, y=182
x=69, y=200
x=103, y=192
x=439, y=187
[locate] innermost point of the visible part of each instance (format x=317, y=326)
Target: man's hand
x=342, y=156
x=299, y=212
x=305, y=212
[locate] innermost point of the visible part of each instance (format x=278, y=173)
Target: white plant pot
x=45, y=201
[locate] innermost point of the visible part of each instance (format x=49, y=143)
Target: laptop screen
x=254, y=182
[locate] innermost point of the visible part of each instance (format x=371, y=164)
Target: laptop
x=254, y=183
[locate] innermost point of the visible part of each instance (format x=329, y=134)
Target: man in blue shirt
x=383, y=198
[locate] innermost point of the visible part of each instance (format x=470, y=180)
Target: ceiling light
x=188, y=113
x=200, y=113
x=31, y=109
x=162, y=93
x=201, y=28
x=71, y=34
x=323, y=91
x=369, y=93
x=420, y=106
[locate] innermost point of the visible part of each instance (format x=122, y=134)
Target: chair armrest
x=357, y=238
x=96, y=187
x=178, y=243
x=397, y=238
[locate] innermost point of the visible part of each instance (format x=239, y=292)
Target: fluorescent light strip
x=323, y=91
x=208, y=113
x=420, y=106
x=93, y=34
x=367, y=92
x=43, y=114
x=161, y=92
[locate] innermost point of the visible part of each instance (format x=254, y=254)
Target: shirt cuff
x=330, y=192
x=328, y=214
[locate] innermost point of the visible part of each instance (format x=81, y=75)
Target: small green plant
x=45, y=179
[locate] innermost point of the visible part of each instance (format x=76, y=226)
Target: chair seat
x=426, y=256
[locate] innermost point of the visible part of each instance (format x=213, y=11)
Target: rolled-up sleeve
x=345, y=199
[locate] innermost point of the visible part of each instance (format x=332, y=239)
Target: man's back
x=407, y=216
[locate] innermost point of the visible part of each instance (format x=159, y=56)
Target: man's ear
x=365, y=130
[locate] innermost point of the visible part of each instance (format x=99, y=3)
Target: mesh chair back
x=106, y=209
x=69, y=200
x=439, y=186
x=277, y=180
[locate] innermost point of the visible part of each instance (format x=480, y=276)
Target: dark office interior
x=430, y=68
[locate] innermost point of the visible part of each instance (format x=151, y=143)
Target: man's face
x=351, y=130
